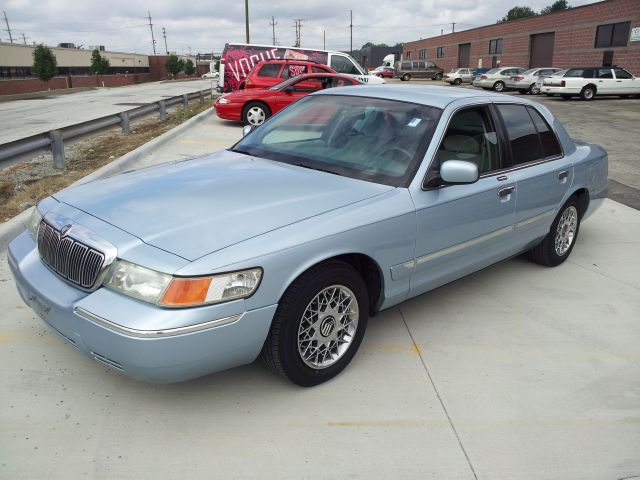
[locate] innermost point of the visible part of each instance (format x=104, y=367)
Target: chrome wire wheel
x=328, y=326
x=566, y=230
x=256, y=116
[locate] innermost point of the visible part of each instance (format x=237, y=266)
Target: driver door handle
x=503, y=192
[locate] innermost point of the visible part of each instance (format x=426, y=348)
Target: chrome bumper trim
x=169, y=332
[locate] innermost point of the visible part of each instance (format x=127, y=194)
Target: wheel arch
x=582, y=195
x=592, y=85
x=366, y=267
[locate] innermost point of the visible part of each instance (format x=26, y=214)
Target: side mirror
x=455, y=172
x=247, y=129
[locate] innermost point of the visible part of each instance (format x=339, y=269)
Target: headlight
x=224, y=100
x=34, y=222
x=137, y=281
x=166, y=290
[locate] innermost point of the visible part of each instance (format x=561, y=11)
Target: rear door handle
x=503, y=192
x=563, y=174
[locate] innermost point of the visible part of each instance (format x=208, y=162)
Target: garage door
x=541, y=54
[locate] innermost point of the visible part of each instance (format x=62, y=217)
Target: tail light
x=518, y=78
x=483, y=77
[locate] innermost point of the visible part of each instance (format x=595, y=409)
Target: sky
x=204, y=26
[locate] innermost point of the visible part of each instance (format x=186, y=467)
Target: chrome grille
x=71, y=259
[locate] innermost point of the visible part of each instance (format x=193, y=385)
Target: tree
x=556, y=6
x=174, y=65
x=517, y=12
x=189, y=67
x=44, y=63
x=99, y=64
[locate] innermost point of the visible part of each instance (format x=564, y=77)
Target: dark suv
x=406, y=70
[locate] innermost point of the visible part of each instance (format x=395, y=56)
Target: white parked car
x=525, y=82
x=591, y=81
x=213, y=75
x=458, y=75
x=496, y=78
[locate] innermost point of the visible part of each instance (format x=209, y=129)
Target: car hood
x=198, y=206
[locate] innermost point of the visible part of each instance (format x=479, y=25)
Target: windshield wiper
x=239, y=151
x=315, y=168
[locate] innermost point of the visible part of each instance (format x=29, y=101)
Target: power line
x=153, y=40
x=8, y=29
x=273, y=24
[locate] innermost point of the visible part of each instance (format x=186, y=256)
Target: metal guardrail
x=54, y=139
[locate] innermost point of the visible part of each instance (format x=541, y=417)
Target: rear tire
x=438, y=76
x=533, y=90
x=406, y=77
x=588, y=93
x=313, y=336
x=556, y=247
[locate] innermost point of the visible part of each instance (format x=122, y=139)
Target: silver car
x=526, y=81
x=346, y=203
x=458, y=75
x=496, y=78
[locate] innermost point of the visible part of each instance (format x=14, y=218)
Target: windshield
x=370, y=139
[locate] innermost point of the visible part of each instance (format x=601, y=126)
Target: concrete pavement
x=517, y=371
x=23, y=118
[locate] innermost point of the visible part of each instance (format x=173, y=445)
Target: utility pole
x=298, y=31
x=153, y=40
x=164, y=34
x=453, y=27
x=246, y=18
x=324, y=39
x=24, y=39
x=351, y=33
x=8, y=29
x=273, y=24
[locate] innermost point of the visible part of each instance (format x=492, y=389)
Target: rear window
x=522, y=133
x=493, y=70
x=550, y=144
x=269, y=70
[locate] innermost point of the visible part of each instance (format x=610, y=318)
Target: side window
x=550, y=145
x=605, y=73
x=522, y=133
x=293, y=70
x=471, y=136
x=319, y=70
x=342, y=65
x=269, y=70
x=623, y=74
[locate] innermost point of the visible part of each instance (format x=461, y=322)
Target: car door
x=626, y=83
x=605, y=82
x=462, y=228
x=465, y=75
x=541, y=171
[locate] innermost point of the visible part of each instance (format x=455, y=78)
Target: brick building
x=603, y=33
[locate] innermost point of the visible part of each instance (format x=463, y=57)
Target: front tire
x=319, y=324
x=457, y=82
x=559, y=242
x=255, y=113
x=498, y=86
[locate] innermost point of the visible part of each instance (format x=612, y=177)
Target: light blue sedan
x=345, y=204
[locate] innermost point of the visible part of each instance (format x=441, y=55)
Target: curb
x=12, y=227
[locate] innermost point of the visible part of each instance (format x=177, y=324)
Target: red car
x=255, y=105
x=384, y=72
x=271, y=72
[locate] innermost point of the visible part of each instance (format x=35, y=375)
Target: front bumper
x=136, y=338
x=228, y=111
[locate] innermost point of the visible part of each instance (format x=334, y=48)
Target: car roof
x=290, y=60
x=435, y=96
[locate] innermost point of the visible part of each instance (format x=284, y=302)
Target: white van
x=238, y=60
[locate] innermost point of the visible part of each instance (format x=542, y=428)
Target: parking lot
x=517, y=371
